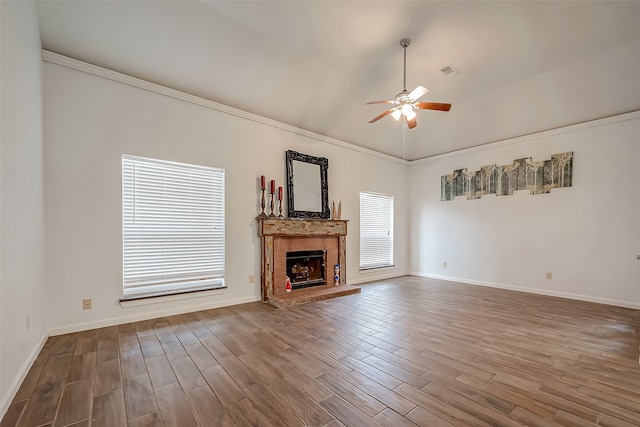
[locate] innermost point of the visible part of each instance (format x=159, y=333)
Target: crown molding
x=65, y=61
x=85, y=67
x=633, y=115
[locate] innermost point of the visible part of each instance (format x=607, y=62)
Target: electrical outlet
x=28, y=323
x=252, y=279
x=86, y=304
x=444, y=264
x=549, y=276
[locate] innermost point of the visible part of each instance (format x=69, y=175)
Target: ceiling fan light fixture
x=396, y=114
x=410, y=115
x=407, y=110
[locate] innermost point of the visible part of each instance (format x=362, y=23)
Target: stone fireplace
x=312, y=244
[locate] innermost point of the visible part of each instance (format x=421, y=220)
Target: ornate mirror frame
x=323, y=192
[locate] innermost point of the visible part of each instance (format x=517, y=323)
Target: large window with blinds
x=376, y=230
x=173, y=227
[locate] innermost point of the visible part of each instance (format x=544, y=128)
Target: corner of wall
x=22, y=289
x=21, y=374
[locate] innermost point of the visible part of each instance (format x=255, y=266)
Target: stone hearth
x=279, y=236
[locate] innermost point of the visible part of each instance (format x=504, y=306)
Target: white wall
x=90, y=121
x=22, y=288
x=586, y=235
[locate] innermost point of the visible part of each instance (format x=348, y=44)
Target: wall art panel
x=523, y=174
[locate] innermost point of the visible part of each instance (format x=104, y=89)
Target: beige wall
x=23, y=323
x=90, y=121
x=586, y=235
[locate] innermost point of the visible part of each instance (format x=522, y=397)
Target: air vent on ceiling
x=450, y=70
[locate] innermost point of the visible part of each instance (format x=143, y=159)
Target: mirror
x=307, y=192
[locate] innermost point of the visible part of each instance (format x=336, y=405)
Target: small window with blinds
x=173, y=227
x=376, y=230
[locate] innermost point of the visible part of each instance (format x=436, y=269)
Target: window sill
x=172, y=296
x=376, y=268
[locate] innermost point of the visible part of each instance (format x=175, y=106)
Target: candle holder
x=280, y=210
x=262, y=214
x=272, y=214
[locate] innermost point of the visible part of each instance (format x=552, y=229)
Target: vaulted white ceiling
x=524, y=67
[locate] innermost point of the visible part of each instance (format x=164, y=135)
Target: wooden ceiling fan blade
x=380, y=102
x=440, y=106
x=412, y=123
x=418, y=92
x=379, y=116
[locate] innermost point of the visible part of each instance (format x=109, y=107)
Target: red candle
x=279, y=193
x=263, y=184
x=273, y=186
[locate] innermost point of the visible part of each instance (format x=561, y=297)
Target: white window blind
x=173, y=227
x=376, y=230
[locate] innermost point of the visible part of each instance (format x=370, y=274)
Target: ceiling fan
x=406, y=102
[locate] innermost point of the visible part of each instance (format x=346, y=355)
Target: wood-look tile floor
x=404, y=352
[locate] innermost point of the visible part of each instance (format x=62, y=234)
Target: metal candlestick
x=280, y=209
x=272, y=215
x=262, y=214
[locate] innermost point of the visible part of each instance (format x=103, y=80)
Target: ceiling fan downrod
x=404, y=43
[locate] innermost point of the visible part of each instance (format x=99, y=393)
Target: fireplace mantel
x=301, y=227
x=279, y=235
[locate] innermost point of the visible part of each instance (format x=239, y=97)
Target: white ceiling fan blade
x=380, y=102
x=418, y=92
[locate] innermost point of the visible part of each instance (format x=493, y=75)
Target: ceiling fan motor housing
x=403, y=97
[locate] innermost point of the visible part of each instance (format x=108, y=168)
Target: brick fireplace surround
x=279, y=236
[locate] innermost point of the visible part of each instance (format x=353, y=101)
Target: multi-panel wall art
x=522, y=174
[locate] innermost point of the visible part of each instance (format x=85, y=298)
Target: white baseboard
x=19, y=378
x=373, y=278
x=568, y=295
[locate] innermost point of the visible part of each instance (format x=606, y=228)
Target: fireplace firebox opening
x=306, y=268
